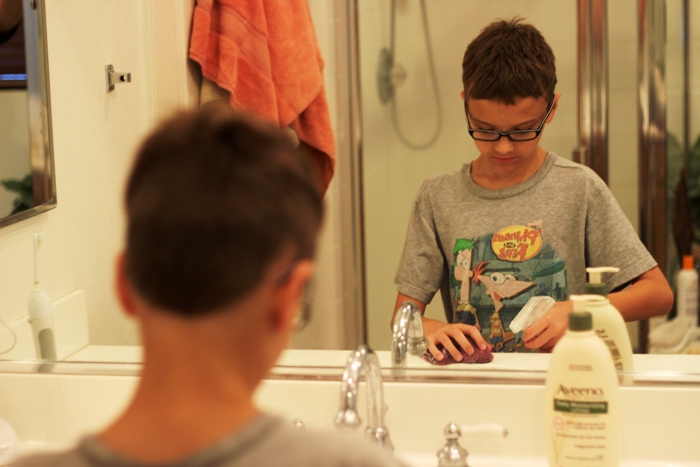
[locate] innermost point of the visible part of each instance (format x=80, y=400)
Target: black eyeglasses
x=515, y=135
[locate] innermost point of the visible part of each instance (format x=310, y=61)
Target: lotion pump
x=595, y=284
x=608, y=322
x=40, y=314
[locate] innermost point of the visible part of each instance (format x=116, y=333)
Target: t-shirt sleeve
x=612, y=241
x=421, y=266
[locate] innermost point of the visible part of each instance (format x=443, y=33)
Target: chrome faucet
x=408, y=334
x=364, y=359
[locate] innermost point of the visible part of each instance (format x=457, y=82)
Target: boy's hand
x=544, y=333
x=439, y=332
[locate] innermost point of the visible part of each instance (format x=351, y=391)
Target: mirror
x=86, y=232
x=404, y=140
x=27, y=184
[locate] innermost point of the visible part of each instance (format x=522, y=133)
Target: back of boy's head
x=507, y=61
x=213, y=199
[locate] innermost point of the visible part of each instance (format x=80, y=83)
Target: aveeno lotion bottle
x=583, y=409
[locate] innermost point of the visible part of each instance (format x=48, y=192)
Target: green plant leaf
x=549, y=270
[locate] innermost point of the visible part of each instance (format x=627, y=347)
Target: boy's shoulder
x=451, y=177
x=444, y=184
x=566, y=167
x=452, y=174
x=565, y=163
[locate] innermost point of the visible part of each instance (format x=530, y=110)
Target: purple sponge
x=479, y=356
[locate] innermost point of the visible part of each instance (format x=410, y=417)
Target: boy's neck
x=190, y=415
x=494, y=177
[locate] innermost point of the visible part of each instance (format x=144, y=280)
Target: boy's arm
x=439, y=332
x=648, y=295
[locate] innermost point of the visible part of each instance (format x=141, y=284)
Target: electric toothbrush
x=40, y=314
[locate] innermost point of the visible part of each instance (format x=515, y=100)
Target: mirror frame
x=39, y=110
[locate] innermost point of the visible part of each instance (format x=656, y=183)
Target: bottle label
x=614, y=351
x=561, y=405
x=691, y=300
x=579, y=426
x=687, y=296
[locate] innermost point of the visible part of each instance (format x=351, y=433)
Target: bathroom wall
x=95, y=134
x=326, y=328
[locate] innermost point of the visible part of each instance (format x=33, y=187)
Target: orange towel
x=265, y=54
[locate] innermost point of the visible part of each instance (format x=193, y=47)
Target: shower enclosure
x=408, y=120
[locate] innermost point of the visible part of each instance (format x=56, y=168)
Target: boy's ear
x=461, y=94
x=287, y=301
x=557, y=95
x=125, y=292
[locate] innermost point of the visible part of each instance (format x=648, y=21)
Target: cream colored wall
x=94, y=136
x=325, y=330
x=393, y=172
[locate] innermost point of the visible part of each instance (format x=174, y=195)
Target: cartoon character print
x=513, y=265
x=462, y=259
x=500, y=286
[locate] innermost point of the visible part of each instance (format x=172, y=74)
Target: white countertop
x=647, y=367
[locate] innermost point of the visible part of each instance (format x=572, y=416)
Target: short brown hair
x=508, y=60
x=214, y=197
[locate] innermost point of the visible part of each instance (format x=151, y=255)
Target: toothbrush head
x=38, y=240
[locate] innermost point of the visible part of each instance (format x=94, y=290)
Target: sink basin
x=430, y=460
x=660, y=423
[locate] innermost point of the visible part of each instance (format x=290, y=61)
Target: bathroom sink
x=660, y=424
x=52, y=409
x=430, y=460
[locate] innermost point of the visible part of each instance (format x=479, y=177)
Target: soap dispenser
x=609, y=324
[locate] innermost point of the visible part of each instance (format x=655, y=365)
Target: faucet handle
x=452, y=454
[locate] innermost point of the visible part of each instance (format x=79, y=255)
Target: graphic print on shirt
x=493, y=276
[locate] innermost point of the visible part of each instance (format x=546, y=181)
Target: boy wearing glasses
x=518, y=221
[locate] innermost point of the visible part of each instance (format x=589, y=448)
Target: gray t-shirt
x=490, y=251
x=267, y=441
